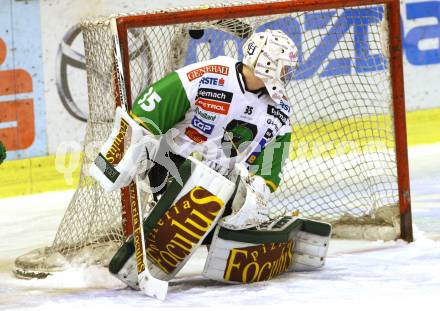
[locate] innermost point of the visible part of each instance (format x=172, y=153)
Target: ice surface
x=357, y=276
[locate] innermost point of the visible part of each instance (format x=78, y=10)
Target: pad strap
x=311, y=246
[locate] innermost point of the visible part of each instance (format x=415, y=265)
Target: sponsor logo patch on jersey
x=238, y=136
x=251, y=159
x=213, y=106
x=277, y=113
x=212, y=81
x=204, y=115
x=198, y=72
x=285, y=106
x=195, y=135
x=203, y=126
x=214, y=94
x=274, y=124
x=268, y=135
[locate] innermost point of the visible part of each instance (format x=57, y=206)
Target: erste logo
x=212, y=81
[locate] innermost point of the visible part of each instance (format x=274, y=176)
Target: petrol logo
x=213, y=106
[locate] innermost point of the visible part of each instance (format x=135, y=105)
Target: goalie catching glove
x=124, y=154
x=249, y=206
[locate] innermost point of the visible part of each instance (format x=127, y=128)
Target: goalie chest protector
x=178, y=224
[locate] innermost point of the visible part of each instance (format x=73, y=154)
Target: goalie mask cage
x=347, y=164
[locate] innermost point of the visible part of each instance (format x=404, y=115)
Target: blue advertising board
x=356, y=21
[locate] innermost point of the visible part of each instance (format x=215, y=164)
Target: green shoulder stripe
x=160, y=106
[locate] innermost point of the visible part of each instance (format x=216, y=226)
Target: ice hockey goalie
x=236, y=116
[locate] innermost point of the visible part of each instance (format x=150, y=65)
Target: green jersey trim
x=270, y=162
x=157, y=109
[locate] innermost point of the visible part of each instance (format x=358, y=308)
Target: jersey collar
x=239, y=70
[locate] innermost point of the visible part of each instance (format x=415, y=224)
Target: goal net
x=347, y=164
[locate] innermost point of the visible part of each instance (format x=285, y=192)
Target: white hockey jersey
x=205, y=107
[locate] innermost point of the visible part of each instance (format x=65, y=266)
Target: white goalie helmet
x=272, y=55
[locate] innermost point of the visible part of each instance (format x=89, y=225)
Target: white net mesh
x=341, y=165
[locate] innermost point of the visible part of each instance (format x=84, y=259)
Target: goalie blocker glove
x=259, y=254
x=124, y=154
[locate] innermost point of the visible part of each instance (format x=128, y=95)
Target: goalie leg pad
x=252, y=255
x=119, y=158
x=182, y=218
x=311, y=246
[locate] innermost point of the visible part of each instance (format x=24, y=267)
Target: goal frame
x=124, y=23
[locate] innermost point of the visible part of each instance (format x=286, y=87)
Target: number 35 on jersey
x=149, y=100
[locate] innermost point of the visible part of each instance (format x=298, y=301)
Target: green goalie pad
x=258, y=254
x=2, y=152
x=178, y=224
